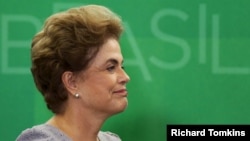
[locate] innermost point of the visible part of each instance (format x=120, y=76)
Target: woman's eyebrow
x=113, y=61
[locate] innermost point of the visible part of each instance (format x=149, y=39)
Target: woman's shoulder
x=42, y=132
x=108, y=136
x=49, y=133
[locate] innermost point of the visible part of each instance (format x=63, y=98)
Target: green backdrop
x=188, y=61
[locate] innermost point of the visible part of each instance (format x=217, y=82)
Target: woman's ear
x=69, y=81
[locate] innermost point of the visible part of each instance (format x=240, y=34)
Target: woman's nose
x=124, y=77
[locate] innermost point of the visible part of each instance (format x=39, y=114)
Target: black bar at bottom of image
x=201, y=132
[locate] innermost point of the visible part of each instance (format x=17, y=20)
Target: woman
x=77, y=65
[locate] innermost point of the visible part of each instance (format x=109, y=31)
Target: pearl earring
x=77, y=95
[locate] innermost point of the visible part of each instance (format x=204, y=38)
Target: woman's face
x=102, y=87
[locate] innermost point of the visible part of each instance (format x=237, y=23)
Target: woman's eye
x=111, y=68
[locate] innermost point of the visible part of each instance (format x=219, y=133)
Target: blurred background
x=188, y=62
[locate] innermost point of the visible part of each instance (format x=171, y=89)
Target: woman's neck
x=77, y=126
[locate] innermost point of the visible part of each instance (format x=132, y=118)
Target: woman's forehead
x=109, y=51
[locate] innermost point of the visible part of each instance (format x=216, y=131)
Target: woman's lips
x=122, y=92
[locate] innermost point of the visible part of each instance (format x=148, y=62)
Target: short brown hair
x=68, y=41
